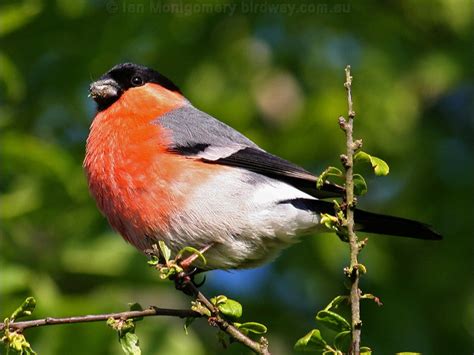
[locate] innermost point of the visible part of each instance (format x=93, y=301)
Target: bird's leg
x=183, y=279
x=186, y=263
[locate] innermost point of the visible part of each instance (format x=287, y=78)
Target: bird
x=160, y=169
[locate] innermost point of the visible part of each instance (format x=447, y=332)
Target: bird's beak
x=104, y=89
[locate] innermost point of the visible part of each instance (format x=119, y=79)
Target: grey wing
x=195, y=133
x=200, y=136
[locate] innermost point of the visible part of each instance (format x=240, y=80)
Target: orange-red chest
x=130, y=173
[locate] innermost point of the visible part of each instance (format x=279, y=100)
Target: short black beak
x=104, y=90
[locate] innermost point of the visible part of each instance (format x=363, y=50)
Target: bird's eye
x=137, y=80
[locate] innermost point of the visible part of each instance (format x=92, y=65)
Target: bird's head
x=129, y=77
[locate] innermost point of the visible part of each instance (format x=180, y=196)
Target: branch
x=174, y=269
x=215, y=319
x=202, y=307
x=353, y=270
x=152, y=311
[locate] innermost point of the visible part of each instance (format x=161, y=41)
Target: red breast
x=136, y=182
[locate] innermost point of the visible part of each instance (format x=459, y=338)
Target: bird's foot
x=184, y=281
x=186, y=263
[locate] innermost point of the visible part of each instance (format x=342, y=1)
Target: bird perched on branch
x=161, y=169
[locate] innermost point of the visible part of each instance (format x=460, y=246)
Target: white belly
x=240, y=212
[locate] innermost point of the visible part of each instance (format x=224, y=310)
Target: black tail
x=382, y=224
x=374, y=223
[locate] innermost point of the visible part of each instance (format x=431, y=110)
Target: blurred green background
x=275, y=72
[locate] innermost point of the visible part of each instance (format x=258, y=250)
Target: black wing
x=199, y=135
x=270, y=165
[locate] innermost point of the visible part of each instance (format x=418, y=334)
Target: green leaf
x=227, y=306
x=153, y=261
x=360, y=186
x=362, y=269
x=187, y=323
x=251, y=327
x=17, y=344
x=313, y=341
x=329, y=221
x=127, y=337
x=342, y=341
x=330, y=171
x=406, y=353
x=333, y=321
x=136, y=307
x=120, y=325
x=218, y=300
x=165, y=272
x=336, y=302
x=222, y=339
x=25, y=310
x=380, y=167
x=230, y=308
x=165, y=251
x=130, y=344
x=364, y=350
x=198, y=307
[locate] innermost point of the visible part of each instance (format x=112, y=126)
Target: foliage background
x=278, y=78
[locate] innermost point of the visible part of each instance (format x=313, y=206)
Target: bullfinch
x=161, y=169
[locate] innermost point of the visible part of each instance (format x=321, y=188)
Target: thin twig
x=353, y=271
x=215, y=319
x=152, y=311
x=260, y=347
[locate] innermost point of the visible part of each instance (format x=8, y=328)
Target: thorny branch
x=353, y=271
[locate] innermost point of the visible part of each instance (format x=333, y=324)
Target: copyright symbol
x=112, y=7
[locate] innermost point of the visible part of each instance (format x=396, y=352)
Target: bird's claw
x=184, y=281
